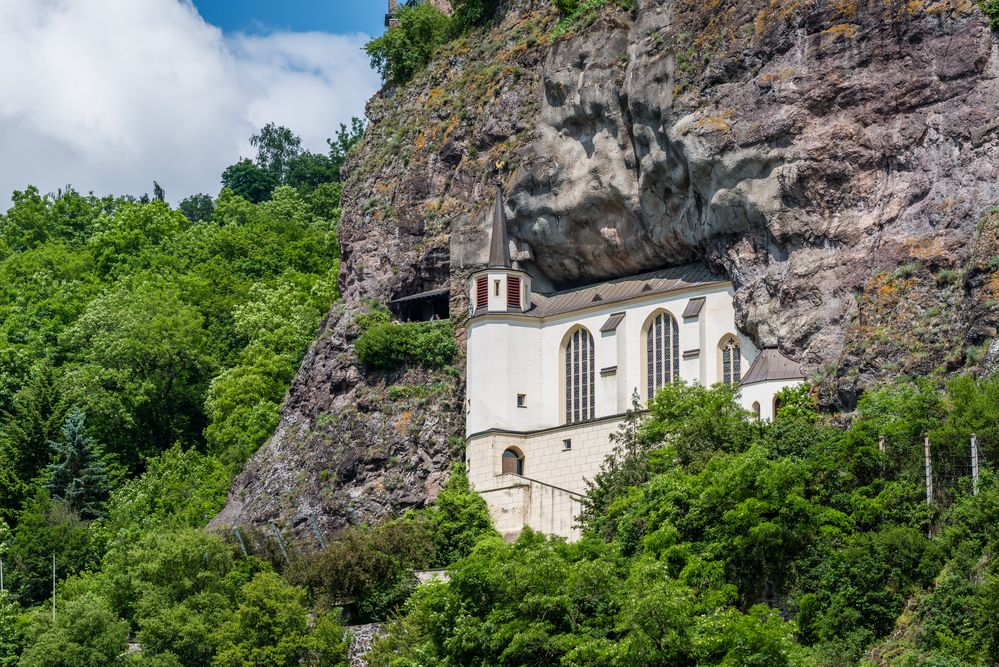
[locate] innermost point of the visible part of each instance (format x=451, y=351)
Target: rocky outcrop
x=813, y=151
x=800, y=147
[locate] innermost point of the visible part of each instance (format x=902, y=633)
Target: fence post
x=277, y=534
x=315, y=529
x=239, y=538
x=974, y=463
x=929, y=472
x=53, y=588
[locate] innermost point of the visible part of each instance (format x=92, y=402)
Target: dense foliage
x=369, y=569
x=385, y=344
x=421, y=29
x=712, y=539
x=144, y=353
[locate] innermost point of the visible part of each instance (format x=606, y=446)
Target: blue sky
x=108, y=96
x=263, y=16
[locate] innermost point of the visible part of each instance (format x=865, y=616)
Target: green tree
x=141, y=367
x=469, y=13
x=78, y=475
x=26, y=431
x=271, y=629
x=10, y=640
x=404, y=50
x=45, y=528
x=179, y=489
x=277, y=147
x=86, y=633
x=458, y=519
x=307, y=171
x=343, y=141
x=197, y=208
x=251, y=182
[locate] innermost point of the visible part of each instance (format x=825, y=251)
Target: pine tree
x=79, y=475
x=25, y=429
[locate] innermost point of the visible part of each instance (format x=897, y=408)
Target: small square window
x=521, y=400
x=566, y=445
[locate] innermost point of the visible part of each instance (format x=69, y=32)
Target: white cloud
x=108, y=95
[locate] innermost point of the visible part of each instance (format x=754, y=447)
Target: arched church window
x=777, y=405
x=580, y=402
x=662, y=353
x=731, y=361
x=513, y=462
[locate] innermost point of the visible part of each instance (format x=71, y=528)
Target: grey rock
x=806, y=150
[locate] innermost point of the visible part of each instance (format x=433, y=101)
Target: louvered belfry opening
x=513, y=292
x=580, y=399
x=481, y=292
x=662, y=353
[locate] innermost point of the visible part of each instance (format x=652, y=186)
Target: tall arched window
x=580, y=402
x=731, y=361
x=662, y=353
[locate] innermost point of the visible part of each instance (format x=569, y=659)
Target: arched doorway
x=513, y=462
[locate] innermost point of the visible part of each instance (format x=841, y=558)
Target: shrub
x=404, y=50
x=368, y=568
x=457, y=520
x=387, y=345
x=85, y=632
x=470, y=13
x=991, y=9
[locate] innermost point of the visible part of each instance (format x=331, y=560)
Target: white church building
x=550, y=376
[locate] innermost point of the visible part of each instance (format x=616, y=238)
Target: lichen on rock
x=807, y=149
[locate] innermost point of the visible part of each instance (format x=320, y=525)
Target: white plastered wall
x=764, y=393
x=517, y=354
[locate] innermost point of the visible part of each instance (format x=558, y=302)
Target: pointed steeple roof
x=499, y=248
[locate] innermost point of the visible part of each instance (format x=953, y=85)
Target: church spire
x=499, y=248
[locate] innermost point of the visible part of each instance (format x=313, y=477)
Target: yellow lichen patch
x=994, y=285
x=945, y=6
x=846, y=9
x=845, y=30
x=402, y=425
x=780, y=75
x=716, y=122
x=924, y=248
x=435, y=97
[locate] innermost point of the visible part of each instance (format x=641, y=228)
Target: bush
x=271, y=629
x=457, y=520
x=402, y=51
x=991, y=9
x=86, y=632
x=470, y=13
x=388, y=345
x=368, y=568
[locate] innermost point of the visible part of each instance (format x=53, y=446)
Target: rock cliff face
x=834, y=159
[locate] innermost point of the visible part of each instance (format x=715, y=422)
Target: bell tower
x=499, y=288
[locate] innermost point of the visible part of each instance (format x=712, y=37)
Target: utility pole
x=929, y=472
x=1, y=575
x=53, y=589
x=974, y=463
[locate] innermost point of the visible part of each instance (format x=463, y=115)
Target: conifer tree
x=79, y=475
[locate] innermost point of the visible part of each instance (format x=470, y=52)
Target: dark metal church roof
x=772, y=365
x=623, y=289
